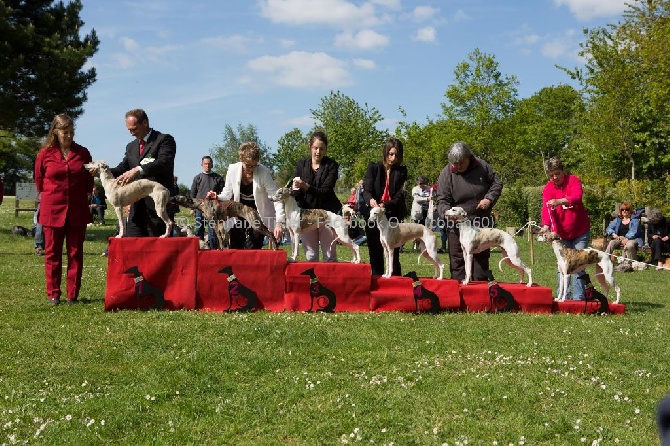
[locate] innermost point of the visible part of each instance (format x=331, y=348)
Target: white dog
x=475, y=240
x=305, y=220
x=572, y=261
x=124, y=195
x=395, y=235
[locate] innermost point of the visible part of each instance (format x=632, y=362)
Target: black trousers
x=480, y=267
x=242, y=236
x=658, y=247
x=144, y=222
x=376, y=251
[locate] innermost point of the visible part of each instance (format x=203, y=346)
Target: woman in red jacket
x=64, y=184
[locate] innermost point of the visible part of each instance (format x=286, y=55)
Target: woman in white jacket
x=251, y=183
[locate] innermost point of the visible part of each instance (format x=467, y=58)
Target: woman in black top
x=384, y=185
x=314, y=188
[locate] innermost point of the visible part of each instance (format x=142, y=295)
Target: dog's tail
x=418, y=261
x=501, y=262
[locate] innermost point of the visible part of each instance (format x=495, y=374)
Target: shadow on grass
x=642, y=307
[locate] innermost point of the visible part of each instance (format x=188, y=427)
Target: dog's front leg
x=467, y=256
x=122, y=221
x=295, y=242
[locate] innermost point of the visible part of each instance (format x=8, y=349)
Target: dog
x=20, y=230
x=305, y=220
x=238, y=292
x=421, y=293
x=475, y=240
x=123, y=195
x=591, y=294
x=220, y=211
x=572, y=261
x=396, y=235
x=318, y=292
x=145, y=290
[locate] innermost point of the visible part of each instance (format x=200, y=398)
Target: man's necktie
x=141, y=146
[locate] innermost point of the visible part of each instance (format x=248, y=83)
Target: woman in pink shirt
x=563, y=212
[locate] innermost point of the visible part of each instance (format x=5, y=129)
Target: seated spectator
x=657, y=235
x=97, y=205
x=625, y=232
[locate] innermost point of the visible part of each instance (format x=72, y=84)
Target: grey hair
x=553, y=163
x=654, y=215
x=459, y=151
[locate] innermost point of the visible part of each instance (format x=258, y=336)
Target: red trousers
x=53, y=259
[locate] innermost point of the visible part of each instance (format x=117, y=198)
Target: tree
x=292, y=147
x=353, y=138
x=626, y=83
x=226, y=153
x=17, y=158
x=481, y=100
x=543, y=126
x=43, y=58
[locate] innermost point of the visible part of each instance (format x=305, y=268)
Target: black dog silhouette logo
x=594, y=300
x=500, y=300
x=148, y=295
x=244, y=298
x=423, y=295
x=324, y=298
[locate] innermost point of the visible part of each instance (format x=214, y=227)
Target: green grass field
x=79, y=375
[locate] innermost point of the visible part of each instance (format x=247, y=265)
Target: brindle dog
x=220, y=211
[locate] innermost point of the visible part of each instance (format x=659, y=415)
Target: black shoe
x=441, y=251
x=72, y=301
x=54, y=301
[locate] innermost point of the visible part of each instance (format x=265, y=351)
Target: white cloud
x=300, y=69
x=422, y=13
x=122, y=61
x=425, y=34
x=525, y=36
x=460, y=16
x=236, y=43
x=362, y=40
x=300, y=121
x=365, y=64
x=287, y=43
x=390, y=4
x=338, y=13
x=129, y=44
x=554, y=49
x=588, y=9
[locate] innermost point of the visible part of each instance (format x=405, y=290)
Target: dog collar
x=231, y=278
x=138, y=279
x=416, y=283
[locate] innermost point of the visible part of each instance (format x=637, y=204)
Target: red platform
x=535, y=299
x=327, y=286
x=148, y=272
x=240, y=280
x=400, y=294
x=586, y=307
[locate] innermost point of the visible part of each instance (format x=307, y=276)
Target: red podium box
x=327, y=287
x=240, y=280
x=535, y=299
x=586, y=307
x=400, y=294
x=149, y=272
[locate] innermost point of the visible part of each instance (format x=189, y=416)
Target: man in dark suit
x=151, y=156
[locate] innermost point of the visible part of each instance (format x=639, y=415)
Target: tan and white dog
x=474, y=240
x=124, y=195
x=305, y=220
x=397, y=234
x=572, y=261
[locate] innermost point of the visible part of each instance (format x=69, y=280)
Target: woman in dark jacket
x=384, y=185
x=314, y=188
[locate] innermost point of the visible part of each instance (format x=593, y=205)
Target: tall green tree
x=353, y=137
x=543, y=125
x=481, y=100
x=225, y=153
x=42, y=71
x=625, y=79
x=291, y=148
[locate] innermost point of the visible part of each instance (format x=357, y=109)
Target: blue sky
x=198, y=65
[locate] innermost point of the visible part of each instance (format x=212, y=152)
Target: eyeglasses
x=250, y=166
x=625, y=210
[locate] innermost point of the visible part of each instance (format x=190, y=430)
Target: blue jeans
x=39, y=232
x=200, y=225
x=575, y=286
